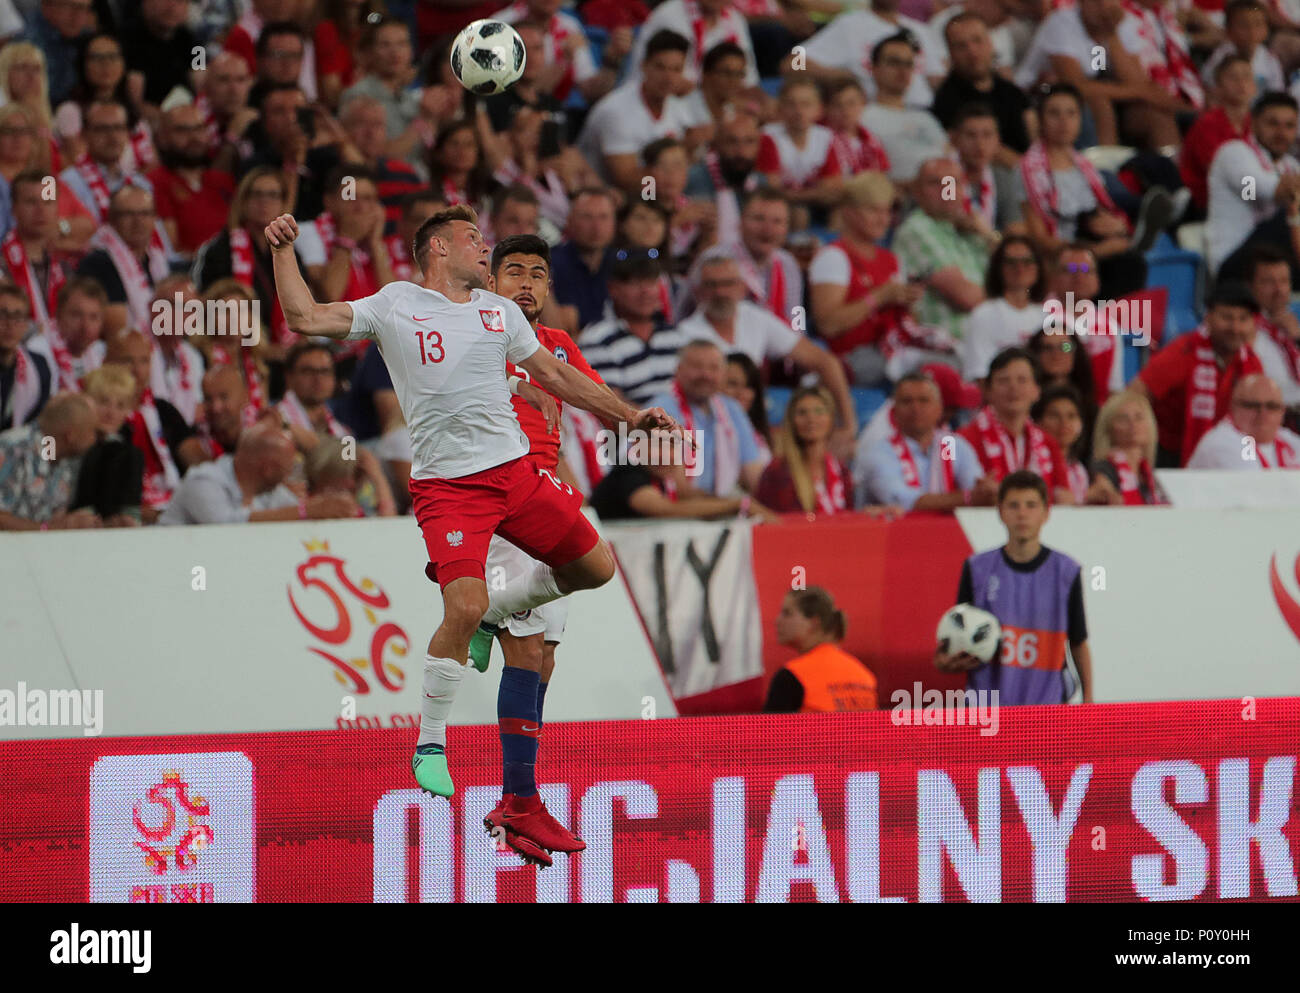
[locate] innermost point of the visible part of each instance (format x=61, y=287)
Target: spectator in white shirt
x=910, y=136
x=1277, y=331
x=1245, y=22
x=1251, y=436
x=704, y=23
x=844, y=46
x=249, y=486
x=722, y=86
x=1254, y=191
x=735, y=324
x=1012, y=311
x=638, y=112
x=568, y=63
x=795, y=151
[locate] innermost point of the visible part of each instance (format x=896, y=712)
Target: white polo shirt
x=760, y=334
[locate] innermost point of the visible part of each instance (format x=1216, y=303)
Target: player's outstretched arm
x=573, y=387
x=302, y=313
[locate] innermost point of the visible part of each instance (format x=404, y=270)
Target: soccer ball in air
x=488, y=57
x=966, y=628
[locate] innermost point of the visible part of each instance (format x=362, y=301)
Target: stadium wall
x=271, y=627
x=1136, y=802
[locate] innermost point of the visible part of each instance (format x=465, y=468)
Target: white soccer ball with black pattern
x=967, y=628
x=488, y=57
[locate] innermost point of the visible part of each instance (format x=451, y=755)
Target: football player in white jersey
x=446, y=341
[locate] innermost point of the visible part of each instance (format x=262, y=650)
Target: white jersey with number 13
x=448, y=361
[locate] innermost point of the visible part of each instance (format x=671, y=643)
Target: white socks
x=536, y=587
x=441, y=681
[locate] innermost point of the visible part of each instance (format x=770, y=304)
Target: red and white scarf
x=174, y=378
x=699, y=28
x=1040, y=185
x=552, y=196
x=726, y=445
x=725, y=199
x=1208, y=390
x=1002, y=453
x=580, y=431
x=1164, y=53
x=1289, y=346
x=943, y=478
x=26, y=392
x=137, y=283
x=295, y=413
x=241, y=267
x=1286, y=455
x=988, y=205
x=161, y=476
x=770, y=292
x=142, y=148
x=1078, y=476
x=859, y=152
x=252, y=380
x=100, y=195
x=1130, y=481
x=400, y=257
x=831, y=498
x=20, y=270
x=553, y=46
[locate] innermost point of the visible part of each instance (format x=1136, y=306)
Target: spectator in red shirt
x=192, y=202
x=337, y=36
x=1004, y=436
x=1228, y=120
x=1189, y=381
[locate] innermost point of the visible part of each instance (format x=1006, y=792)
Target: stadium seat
x=1179, y=271
x=1108, y=157
x=777, y=398
x=866, y=401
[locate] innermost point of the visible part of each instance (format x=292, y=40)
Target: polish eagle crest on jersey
x=492, y=320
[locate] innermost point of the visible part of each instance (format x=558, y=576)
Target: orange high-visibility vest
x=833, y=680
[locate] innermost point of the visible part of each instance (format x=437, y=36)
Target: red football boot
x=528, y=851
x=529, y=818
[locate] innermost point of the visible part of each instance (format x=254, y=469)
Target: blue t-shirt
x=576, y=285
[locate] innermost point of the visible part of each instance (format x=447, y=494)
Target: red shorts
x=518, y=500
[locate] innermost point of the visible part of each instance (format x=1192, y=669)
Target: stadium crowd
x=934, y=228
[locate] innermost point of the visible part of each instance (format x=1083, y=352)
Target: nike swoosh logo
x=440, y=696
x=429, y=318
x=529, y=729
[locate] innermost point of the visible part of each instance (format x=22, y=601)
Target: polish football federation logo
x=172, y=825
x=562, y=354
x=492, y=320
x=346, y=618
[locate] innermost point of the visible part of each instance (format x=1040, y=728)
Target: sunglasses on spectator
x=1078, y=268
x=1260, y=406
x=623, y=254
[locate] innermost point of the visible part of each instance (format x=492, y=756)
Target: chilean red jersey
x=544, y=446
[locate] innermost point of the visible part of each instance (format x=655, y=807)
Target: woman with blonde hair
x=1124, y=451
x=806, y=476
x=24, y=82
x=242, y=253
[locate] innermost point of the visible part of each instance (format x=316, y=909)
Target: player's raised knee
x=464, y=608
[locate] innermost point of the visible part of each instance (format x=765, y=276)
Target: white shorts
x=504, y=562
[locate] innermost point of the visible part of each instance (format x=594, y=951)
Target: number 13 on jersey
x=431, y=349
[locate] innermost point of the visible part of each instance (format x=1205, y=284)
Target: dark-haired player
x=521, y=272
x=1036, y=593
x=446, y=341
